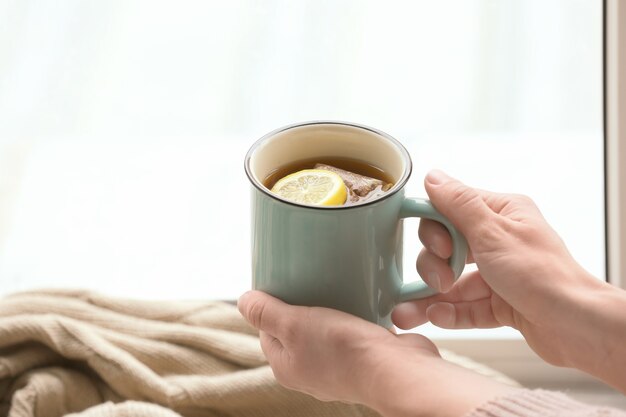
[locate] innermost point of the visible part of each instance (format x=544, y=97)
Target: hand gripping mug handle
x=416, y=207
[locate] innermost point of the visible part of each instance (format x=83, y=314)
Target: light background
x=123, y=124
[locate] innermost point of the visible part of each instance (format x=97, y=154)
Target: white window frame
x=615, y=137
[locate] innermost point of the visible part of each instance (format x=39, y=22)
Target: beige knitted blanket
x=84, y=354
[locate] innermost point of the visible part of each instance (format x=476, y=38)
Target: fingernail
x=434, y=281
x=436, y=177
x=442, y=314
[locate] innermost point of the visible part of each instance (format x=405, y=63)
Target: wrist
x=431, y=387
x=601, y=334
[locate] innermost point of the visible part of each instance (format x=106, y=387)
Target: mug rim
x=399, y=185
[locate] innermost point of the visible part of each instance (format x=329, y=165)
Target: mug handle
x=418, y=207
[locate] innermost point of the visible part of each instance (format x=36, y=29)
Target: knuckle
x=523, y=199
x=489, y=235
x=461, y=195
x=431, y=232
x=421, y=257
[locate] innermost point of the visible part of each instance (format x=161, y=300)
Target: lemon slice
x=316, y=187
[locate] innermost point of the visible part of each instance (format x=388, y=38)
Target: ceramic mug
x=343, y=257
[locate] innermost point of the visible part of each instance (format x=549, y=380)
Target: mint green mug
x=343, y=257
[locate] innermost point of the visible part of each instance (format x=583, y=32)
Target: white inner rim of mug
x=329, y=139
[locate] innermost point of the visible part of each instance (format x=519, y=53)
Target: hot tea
x=305, y=180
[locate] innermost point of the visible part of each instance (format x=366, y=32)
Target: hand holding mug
x=526, y=279
x=336, y=356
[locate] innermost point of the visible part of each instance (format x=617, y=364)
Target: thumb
x=266, y=313
x=461, y=204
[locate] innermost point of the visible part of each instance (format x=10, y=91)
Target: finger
x=265, y=312
x=463, y=315
x=464, y=206
x=435, y=237
x=469, y=287
x=409, y=315
x=434, y=271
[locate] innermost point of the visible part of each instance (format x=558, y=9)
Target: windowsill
x=506, y=351
x=437, y=333
x=515, y=359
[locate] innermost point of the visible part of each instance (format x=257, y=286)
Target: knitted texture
x=83, y=354
x=540, y=403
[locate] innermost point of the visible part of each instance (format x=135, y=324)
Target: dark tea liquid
x=353, y=165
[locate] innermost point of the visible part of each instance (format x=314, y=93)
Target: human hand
x=336, y=356
x=526, y=277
